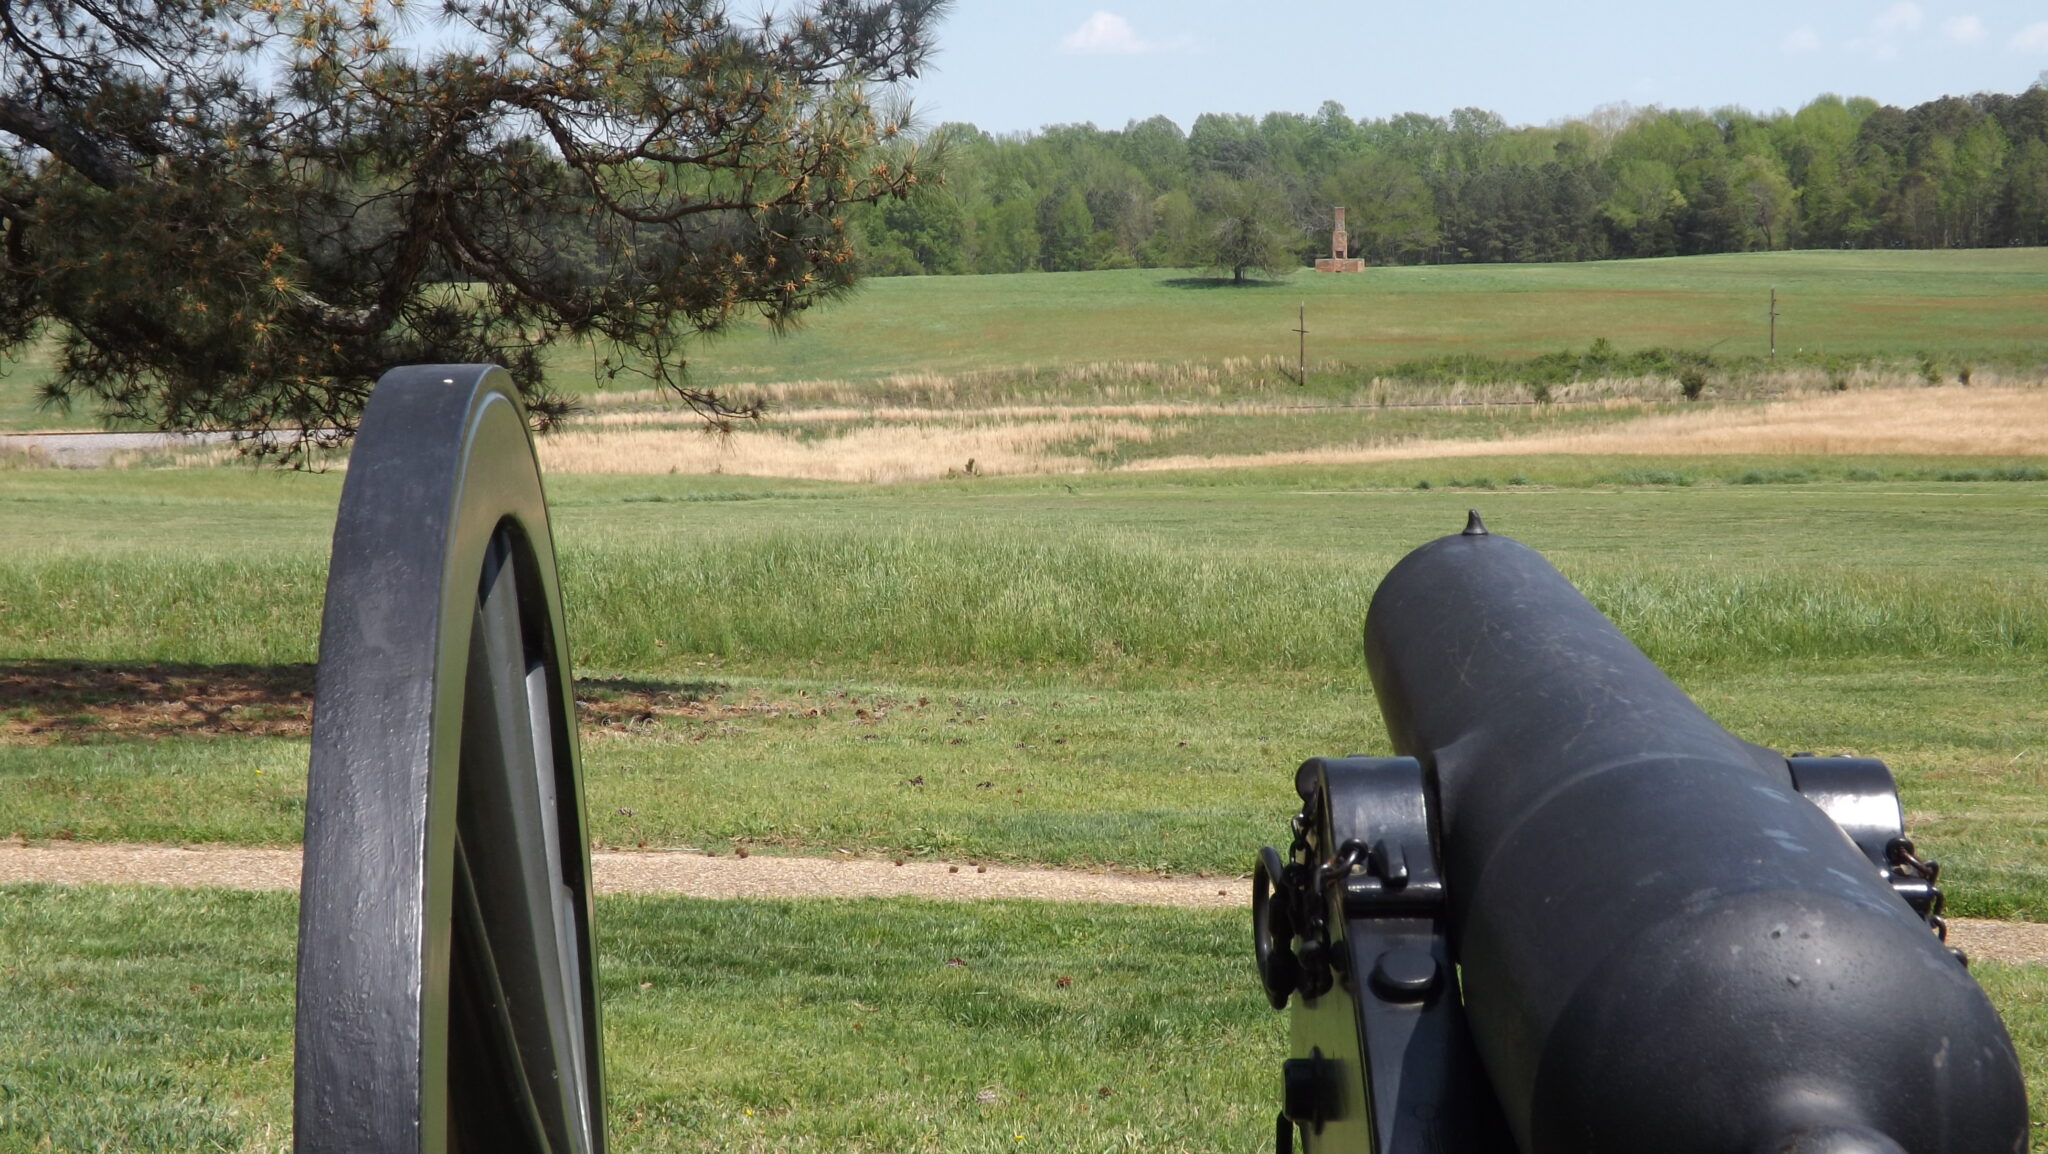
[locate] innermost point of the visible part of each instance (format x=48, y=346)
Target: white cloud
x=1963, y=29
x=1888, y=30
x=2032, y=38
x=1107, y=34
x=1905, y=16
x=1800, y=41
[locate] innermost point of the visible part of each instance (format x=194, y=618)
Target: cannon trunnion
x=1578, y=916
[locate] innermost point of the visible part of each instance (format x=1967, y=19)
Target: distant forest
x=1958, y=172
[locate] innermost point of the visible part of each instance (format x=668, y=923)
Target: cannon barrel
x=1662, y=944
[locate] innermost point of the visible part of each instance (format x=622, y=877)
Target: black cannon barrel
x=1662, y=945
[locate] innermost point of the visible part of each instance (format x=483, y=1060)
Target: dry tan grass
x=1106, y=382
x=1946, y=420
x=915, y=451
x=1111, y=382
x=1611, y=393
x=923, y=442
x=31, y=457
x=183, y=457
x=1150, y=411
x=1952, y=419
x=1118, y=384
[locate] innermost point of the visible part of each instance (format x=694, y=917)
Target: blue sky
x=1010, y=66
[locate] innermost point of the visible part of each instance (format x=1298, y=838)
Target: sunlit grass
x=150, y=1019
x=960, y=595
x=1187, y=779
x=884, y=445
x=1144, y=334
x=1032, y=655
x=1985, y=304
x=161, y=1020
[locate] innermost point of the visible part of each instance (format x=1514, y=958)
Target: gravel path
x=703, y=876
x=689, y=874
x=87, y=450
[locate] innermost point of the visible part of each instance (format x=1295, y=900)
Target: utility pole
x=1301, y=351
x=1774, y=322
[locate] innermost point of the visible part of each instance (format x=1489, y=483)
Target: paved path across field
x=696, y=874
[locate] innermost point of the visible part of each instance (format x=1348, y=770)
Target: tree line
x=1237, y=192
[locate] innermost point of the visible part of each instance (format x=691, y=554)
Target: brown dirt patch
x=693, y=874
x=625, y=703
x=44, y=702
x=51, y=702
x=608, y=706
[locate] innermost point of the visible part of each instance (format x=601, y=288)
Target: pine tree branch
x=79, y=152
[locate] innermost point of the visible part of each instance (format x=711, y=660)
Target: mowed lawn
x=1974, y=303
x=156, y=1020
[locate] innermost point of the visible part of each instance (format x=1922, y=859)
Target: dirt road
x=694, y=874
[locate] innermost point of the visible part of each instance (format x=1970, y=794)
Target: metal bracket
x=1861, y=796
x=1394, y=1067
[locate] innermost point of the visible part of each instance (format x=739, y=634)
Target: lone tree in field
x=1248, y=227
x=238, y=213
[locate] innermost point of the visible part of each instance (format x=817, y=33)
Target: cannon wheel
x=447, y=979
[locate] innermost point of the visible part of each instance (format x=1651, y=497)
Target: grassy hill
x=1989, y=306
x=1979, y=303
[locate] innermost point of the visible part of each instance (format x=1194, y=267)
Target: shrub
x=1774, y=477
x=1649, y=477
x=1692, y=381
x=2002, y=473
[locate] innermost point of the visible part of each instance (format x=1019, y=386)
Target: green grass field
x=152, y=1020
x=1957, y=307
x=1107, y=669
x=1866, y=303
x=1094, y=672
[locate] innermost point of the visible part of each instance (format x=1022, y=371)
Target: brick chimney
x=1340, y=259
